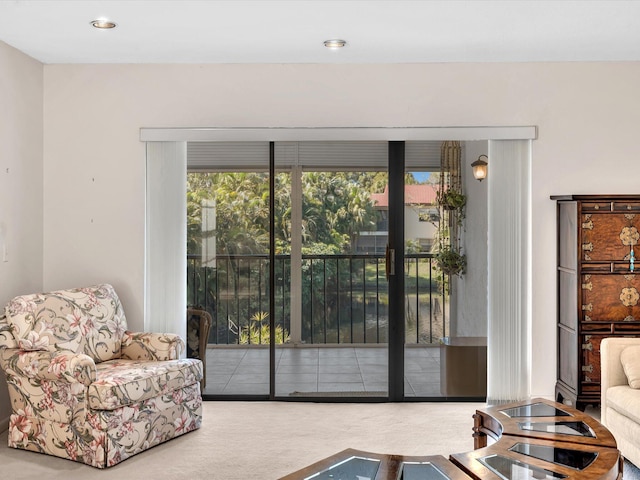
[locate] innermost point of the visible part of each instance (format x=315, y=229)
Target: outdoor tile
x=252, y=369
x=218, y=378
x=373, y=367
x=375, y=377
x=339, y=377
x=374, y=352
x=245, y=371
x=338, y=361
x=376, y=387
x=373, y=360
x=249, y=378
x=298, y=361
x=221, y=369
x=322, y=368
x=285, y=389
x=300, y=352
x=214, y=353
x=296, y=378
x=422, y=352
x=294, y=368
x=247, y=389
x=340, y=352
x=214, y=388
x=415, y=379
x=340, y=387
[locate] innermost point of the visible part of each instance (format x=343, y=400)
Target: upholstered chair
x=83, y=387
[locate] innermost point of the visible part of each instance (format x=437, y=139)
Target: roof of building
x=421, y=194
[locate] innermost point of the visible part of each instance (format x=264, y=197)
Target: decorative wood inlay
x=629, y=297
x=629, y=236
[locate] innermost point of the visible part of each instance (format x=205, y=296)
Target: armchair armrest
x=56, y=366
x=612, y=372
x=151, y=346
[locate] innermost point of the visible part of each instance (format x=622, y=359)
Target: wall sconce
x=480, y=168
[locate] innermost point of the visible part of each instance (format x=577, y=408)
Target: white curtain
x=509, y=271
x=166, y=238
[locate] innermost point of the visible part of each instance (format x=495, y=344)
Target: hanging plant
x=451, y=262
x=451, y=199
x=451, y=203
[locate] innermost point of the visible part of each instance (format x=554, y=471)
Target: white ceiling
x=263, y=31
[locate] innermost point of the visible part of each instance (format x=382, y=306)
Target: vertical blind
x=166, y=238
x=509, y=272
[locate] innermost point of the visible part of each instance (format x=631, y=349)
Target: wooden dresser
x=598, y=290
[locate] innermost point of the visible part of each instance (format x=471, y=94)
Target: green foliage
x=336, y=206
x=259, y=332
x=451, y=262
x=451, y=199
x=449, y=258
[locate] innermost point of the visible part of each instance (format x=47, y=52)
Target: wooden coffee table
x=536, y=439
x=539, y=418
x=540, y=438
x=353, y=464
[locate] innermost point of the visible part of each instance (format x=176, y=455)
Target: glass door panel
x=332, y=234
x=228, y=263
x=445, y=353
x=427, y=304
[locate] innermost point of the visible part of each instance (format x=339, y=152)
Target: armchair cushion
x=125, y=382
x=630, y=359
x=87, y=320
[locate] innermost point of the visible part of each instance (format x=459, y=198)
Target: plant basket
x=451, y=262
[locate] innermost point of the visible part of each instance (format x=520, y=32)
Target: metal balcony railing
x=344, y=298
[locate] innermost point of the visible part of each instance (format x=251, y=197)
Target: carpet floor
x=267, y=440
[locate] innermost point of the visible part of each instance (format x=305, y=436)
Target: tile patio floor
x=242, y=370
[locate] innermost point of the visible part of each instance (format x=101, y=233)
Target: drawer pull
x=587, y=346
x=587, y=368
x=587, y=247
x=588, y=307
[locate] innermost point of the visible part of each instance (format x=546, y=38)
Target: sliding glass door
x=315, y=261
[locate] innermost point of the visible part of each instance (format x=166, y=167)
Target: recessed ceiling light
x=335, y=43
x=103, y=24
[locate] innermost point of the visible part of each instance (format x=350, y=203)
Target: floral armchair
x=84, y=388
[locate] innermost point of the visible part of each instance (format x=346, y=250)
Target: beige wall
x=21, y=80
x=587, y=114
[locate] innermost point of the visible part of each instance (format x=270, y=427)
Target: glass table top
x=576, y=459
x=510, y=469
x=535, y=410
x=353, y=468
x=579, y=429
x=421, y=471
